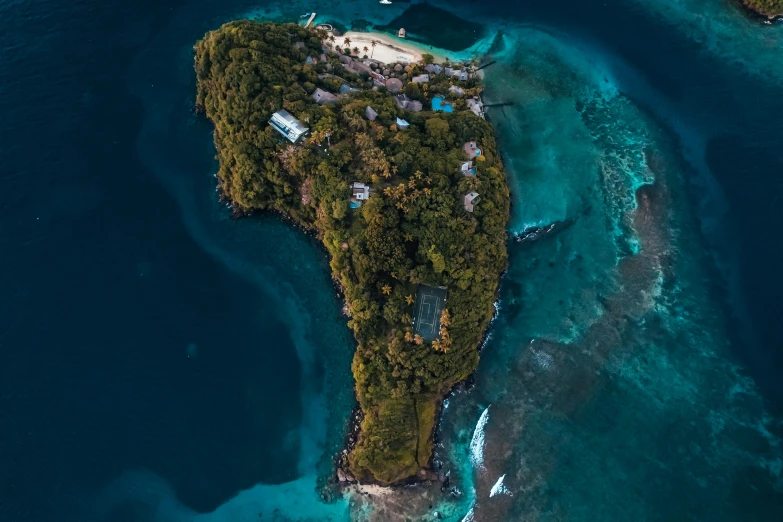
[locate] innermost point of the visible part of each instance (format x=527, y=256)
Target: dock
x=312, y=17
x=485, y=65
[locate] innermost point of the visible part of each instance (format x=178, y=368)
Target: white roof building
x=360, y=191
x=287, y=125
x=471, y=200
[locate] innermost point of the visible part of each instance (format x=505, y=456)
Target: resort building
x=422, y=78
x=458, y=74
x=471, y=150
x=402, y=124
x=323, y=97
x=433, y=68
x=354, y=66
x=405, y=103
x=310, y=61
x=287, y=125
x=467, y=168
x=475, y=105
x=359, y=194
x=471, y=200
x=459, y=91
x=370, y=113
x=394, y=85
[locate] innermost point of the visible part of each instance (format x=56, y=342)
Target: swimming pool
x=355, y=204
x=438, y=104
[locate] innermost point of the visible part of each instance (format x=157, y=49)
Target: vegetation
x=769, y=8
x=413, y=230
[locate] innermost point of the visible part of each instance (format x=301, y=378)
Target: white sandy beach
x=389, y=49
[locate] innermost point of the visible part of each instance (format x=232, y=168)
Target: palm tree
x=365, y=49
x=356, y=51
x=331, y=38
x=347, y=42
x=373, y=43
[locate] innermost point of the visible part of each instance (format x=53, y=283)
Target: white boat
x=385, y=2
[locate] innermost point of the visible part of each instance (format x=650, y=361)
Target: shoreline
x=404, y=50
x=755, y=14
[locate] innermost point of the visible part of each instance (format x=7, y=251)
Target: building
x=460, y=75
x=370, y=113
x=359, y=68
x=323, y=97
x=359, y=194
x=471, y=200
x=287, y=125
x=402, y=124
x=467, y=168
x=433, y=68
x=309, y=60
x=471, y=150
x=394, y=85
x=475, y=105
x=422, y=78
x=405, y=103
x=459, y=91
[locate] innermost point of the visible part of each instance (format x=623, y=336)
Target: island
x=394, y=169
x=769, y=9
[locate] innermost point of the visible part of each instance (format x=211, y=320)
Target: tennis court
x=430, y=302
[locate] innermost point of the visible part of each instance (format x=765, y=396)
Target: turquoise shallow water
x=193, y=367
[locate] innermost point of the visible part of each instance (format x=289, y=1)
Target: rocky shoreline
x=755, y=14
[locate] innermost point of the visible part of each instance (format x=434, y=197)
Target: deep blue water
x=144, y=332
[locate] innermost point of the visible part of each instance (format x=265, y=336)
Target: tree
x=409, y=299
x=347, y=42
x=365, y=49
x=438, y=262
x=427, y=58
x=373, y=43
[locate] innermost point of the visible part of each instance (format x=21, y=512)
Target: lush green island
x=768, y=8
x=411, y=204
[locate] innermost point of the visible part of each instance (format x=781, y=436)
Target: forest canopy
x=413, y=230
x=770, y=8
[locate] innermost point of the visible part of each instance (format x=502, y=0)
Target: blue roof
x=402, y=122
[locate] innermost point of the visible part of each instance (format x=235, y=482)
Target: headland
x=392, y=165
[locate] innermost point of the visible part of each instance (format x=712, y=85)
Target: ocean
x=161, y=361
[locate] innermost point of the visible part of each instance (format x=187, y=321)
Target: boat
x=305, y=15
x=385, y=2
